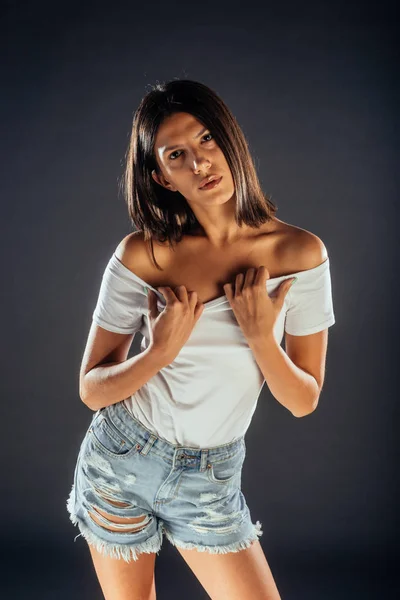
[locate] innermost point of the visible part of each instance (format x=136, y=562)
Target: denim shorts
x=192, y=495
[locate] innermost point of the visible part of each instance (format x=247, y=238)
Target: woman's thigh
x=121, y=580
x=243, y=575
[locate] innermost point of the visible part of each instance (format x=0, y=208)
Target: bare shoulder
x=135, y=253
x=131, y=250
x=301, y=249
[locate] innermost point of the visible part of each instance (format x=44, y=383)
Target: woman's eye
x=171, y=156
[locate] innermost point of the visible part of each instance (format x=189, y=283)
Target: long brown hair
x=166, y=215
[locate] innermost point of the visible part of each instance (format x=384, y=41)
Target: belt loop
x=203, y=460
x=146, y=448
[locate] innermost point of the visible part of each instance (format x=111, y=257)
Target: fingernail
x=146, y=291
x=293, y=280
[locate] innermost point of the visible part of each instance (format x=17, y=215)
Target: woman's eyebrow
x=177, y=146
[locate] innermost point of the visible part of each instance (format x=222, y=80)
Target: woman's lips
x=211, y=185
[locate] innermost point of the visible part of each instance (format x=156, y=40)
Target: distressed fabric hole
x=119, y=524
x=115, y=502
x=109, y=496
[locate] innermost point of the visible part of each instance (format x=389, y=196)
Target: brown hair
x=166, y=215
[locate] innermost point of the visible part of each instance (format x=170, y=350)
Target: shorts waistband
x=139, y=434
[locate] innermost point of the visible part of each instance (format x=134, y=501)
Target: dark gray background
x=313, y=87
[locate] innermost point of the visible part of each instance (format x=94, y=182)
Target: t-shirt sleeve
x=310, y=302
x=118, y=303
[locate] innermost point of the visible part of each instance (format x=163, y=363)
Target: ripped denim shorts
x=131, y=486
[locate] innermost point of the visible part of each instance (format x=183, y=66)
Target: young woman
x=165, y=448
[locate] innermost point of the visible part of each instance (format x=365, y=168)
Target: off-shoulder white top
x=208, y=394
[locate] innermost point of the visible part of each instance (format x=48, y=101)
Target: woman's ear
x=155, y=177
x=160, y=179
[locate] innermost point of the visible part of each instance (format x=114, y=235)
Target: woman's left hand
x=256, y=312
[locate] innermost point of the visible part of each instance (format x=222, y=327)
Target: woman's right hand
x=170, y=329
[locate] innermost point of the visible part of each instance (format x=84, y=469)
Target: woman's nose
x=200, y=163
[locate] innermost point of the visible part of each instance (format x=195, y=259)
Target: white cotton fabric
x=208, y=394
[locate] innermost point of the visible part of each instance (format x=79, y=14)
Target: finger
x=249, y=278
x=198, y=310
x=181, y=293
x=167, y=293
x=239, y=280
x=152, y=304
x=262, y=275
x=228, y=290
x=284, y=289
x=193, y=299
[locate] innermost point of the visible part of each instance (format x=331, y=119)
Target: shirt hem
x=314, y=329
x=113, y=328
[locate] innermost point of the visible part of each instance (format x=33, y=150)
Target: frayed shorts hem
x=124, y=551
x=234, y=547
x=154, y=543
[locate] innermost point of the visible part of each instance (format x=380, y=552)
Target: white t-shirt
x=207, y=396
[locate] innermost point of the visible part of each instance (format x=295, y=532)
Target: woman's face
x=194, y=157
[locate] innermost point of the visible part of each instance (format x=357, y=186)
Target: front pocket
x=109, y=440
x=226, y=470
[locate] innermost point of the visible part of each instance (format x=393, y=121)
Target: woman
x=165, y=449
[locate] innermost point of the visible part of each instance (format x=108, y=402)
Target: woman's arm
x=293, y=387
x=112, y=382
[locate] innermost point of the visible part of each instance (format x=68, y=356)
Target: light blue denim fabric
x=192, y=495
